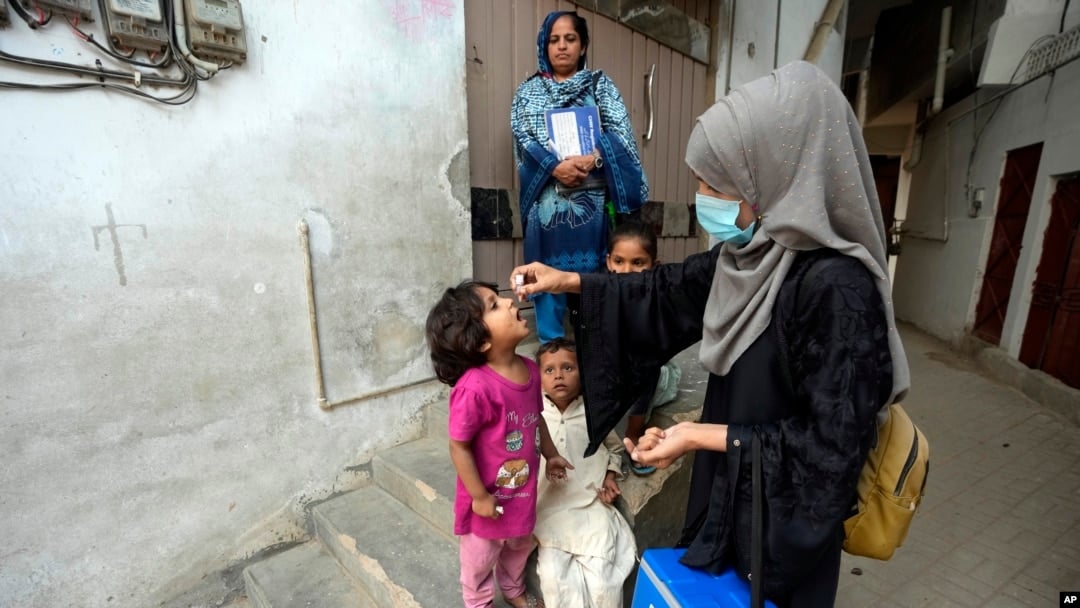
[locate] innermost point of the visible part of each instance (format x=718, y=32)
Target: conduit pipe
x=943, y=55
x=821, y=30
x=181, y=39
x=320, y=384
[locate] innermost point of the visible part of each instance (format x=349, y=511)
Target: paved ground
x=1000, y=524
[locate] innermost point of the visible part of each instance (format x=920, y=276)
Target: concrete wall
x=757, y=37
x=160, y=420
x=939, y=274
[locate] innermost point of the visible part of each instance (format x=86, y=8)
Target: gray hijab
x=787, y=143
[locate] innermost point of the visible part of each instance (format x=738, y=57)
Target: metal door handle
x=649, y=77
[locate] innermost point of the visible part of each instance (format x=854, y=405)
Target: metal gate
x=1017, y=183
x=500, y=47
x=1052, y=335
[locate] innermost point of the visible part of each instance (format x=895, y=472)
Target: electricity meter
x=70, y=8
x=216, y=29
x=136, y=24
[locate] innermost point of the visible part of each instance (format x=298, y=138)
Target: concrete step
x=394, y=554
x=436, y=419
x=305, y=576
x=420, y=475
x=655, y=505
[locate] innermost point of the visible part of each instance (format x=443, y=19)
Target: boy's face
x=560, y=377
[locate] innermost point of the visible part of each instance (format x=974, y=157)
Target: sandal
x=531, y=601
x=642, y=469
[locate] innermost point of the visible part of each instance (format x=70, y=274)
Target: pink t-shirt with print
x=501, y=419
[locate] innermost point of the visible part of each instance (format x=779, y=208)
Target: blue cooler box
x=662, y=582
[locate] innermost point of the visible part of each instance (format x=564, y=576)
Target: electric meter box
x=71, y=8
x=216, y=29
x=137, y=24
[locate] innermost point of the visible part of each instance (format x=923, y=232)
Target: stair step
x=420, y=475
x=305, y=576
x=394, y=554
x=437, y=416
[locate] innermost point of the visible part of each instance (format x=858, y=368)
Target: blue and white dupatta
x=570, y=232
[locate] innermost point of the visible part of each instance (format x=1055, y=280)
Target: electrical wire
x=89, y=37
x=20, y=10
x=42, y=19
x=192, y=70
x=181, y=98
x=188, y=84
x=132, y=77
x=979, y=130
x=166, y=58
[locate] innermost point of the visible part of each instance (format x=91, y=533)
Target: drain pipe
x=821, y=30
x=944, y=53
x=312, y=319
x=320, y=384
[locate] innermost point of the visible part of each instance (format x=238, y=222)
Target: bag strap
x=756, y=524
x=596, y=100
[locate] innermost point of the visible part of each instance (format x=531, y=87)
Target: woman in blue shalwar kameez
x=563, y=213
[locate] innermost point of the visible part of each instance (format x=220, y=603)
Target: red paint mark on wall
x=437, y=8
x=413, y=20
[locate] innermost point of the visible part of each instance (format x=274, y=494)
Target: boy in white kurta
x=586, y=548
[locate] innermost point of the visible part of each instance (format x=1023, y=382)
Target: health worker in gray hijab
x=799, y=369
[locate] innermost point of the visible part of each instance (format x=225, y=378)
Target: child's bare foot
x=526, y=600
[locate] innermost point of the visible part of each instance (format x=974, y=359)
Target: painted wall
x=939, y=274
x=160, y=419
x=766, y=34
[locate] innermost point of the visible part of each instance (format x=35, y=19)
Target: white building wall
x=160, y=420
x=939, y=274
x=766, y=34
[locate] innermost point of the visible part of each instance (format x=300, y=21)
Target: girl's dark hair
x=554, y=346
x=456, y=332
x=634, y=229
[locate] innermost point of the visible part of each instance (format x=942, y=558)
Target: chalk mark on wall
x=412, y=24
x=118, y=255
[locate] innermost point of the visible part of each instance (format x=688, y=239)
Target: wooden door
x=1017, y=183
x=1052, y=334
x=500, y=48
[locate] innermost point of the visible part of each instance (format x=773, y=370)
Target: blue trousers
x=550, y=309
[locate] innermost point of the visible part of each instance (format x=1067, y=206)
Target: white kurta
x=586, y=547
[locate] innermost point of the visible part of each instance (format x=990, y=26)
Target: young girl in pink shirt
x=496, y=438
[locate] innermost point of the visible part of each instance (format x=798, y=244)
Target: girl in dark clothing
x=794, y=314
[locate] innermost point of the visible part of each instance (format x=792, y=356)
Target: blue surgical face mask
x=717, y=216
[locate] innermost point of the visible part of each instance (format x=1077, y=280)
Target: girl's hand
x=487, y=506
x=539, y=278
x=556, y=468
x=569, y=173
x=610, y=491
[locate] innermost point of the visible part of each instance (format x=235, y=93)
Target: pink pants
x=483, y=560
